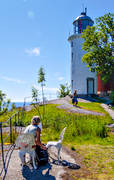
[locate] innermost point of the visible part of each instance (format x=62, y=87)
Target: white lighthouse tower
x=84, y=81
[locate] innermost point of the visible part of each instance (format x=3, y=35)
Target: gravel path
x=64, y=104
x=109, y=110
x=50, y=171
x=74, y=109
x=111, y=113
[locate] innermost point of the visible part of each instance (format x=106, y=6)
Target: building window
x=71, y=44
x=72, y=56
x=72, y=84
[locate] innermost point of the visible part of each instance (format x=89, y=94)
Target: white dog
x=25, y=143
x=57, y=144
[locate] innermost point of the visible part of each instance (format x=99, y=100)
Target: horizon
x=34, y=34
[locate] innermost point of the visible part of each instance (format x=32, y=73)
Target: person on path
x=74, y=99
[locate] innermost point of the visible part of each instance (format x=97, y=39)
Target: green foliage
x=35, y=102
x=7, y=138
x=34, y=94
x=4, y=117
x=41, y=76
x=41, y=79
x=99, y=46
x=13, y=106
x=64, y=90
x=112, y=97
x=4, y=103
x=73, y=148
x=79, y=127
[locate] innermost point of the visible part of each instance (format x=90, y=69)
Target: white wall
x=79, y=71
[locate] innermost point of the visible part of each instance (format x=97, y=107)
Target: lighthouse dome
x=83, y=16
x=81, y=22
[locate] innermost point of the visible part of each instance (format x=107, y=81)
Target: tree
x=41, y=80
x=112, y=97
x=35, y=99
x=64, y=90
x=13, y=106
x=100, y=46
x=4, y=103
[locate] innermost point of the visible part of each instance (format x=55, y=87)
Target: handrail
x=9, y=118
x=11, y=126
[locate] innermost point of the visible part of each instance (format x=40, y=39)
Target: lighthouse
x=83, y=80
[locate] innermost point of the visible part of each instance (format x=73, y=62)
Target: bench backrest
x=62, y=134
x=25, y=142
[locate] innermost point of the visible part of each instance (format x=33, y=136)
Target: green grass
x=86, y=135
x=80, y=128
x=91, y=106
x=6, y=137
x=98, y=160
x=112, y=108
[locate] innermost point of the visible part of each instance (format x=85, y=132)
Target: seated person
x=36, y=131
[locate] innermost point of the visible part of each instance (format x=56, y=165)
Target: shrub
x=112, y=97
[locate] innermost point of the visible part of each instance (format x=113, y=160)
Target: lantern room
x=81, y=22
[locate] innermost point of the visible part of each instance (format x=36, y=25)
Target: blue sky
x=34, y=33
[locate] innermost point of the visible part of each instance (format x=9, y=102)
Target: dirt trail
x=50, y=171
x=64, y=104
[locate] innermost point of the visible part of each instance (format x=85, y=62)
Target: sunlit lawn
x=99, y=161
x=86, y=134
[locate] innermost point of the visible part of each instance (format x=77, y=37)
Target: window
x=72, y=55
x=72, y=84
x=71, y=44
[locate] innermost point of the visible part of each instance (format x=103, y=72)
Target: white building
x=84, y=81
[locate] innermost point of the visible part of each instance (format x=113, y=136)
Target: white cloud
x=31, y=14
x=60, y=78
x=49, y=92
x=33, y=51
x=18, y=81
x=47, y=89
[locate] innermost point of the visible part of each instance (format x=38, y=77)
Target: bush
x=112, y=97
x=64, y=90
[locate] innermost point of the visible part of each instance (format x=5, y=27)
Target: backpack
x=41, y=156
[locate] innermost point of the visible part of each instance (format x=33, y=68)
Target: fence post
x=15, y=123
x=10, y=130
x=18, y=119
x=18, y=115
x=2, y=147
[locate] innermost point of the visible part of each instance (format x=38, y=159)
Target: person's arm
x=37, y=139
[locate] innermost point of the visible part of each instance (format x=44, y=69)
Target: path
x=64, y=104
x=48, y=172
x=111, y=113
x=51, y=171
x=109, y=110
